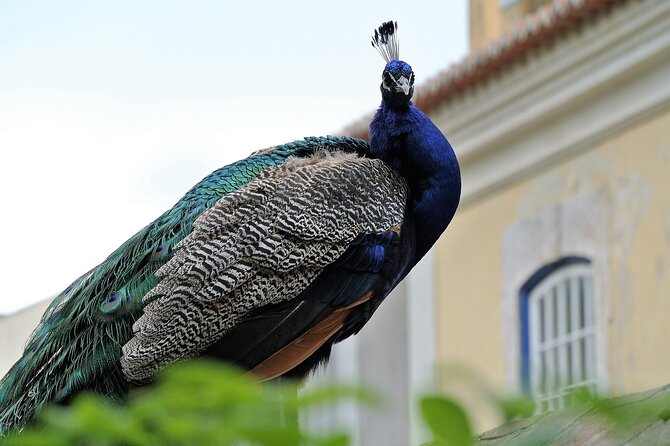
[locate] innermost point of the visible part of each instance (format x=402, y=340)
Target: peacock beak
x=402, y=84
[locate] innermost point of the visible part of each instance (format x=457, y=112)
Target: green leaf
x=327, y=394
x=447, y=421
x=513, y=408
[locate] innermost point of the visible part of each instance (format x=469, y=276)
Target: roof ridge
x=535, y=30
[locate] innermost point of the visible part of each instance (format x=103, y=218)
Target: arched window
x=558, y=332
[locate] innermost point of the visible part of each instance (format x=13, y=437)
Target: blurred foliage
x=446, y=420
x=205, y=403
x=619, y=418
x=193, y=403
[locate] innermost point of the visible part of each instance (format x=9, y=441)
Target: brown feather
x=306, y=344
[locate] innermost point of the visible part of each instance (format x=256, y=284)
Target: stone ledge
x=648, y=415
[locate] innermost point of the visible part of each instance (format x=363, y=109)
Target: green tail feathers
x=77, y=344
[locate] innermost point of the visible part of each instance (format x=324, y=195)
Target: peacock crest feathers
x=385, y=40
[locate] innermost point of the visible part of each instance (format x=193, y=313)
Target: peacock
x=264, y=264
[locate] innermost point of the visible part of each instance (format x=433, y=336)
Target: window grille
x=504, y=4
x=561, y=336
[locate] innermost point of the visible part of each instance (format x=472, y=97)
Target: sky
x=111, y=111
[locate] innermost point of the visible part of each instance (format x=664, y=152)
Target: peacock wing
x=261, y=247
x=77, y=344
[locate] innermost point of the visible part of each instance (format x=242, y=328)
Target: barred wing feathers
x=77, y=344
x=259, y=246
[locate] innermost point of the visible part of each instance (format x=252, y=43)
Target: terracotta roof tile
x=534, y=31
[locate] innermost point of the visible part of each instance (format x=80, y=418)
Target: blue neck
x=406, y=139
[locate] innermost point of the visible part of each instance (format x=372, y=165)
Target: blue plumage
x=405, y=138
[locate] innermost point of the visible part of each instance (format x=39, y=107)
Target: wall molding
x=563, y=100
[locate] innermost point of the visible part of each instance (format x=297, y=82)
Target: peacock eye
x=385, y=83
x=112, y=297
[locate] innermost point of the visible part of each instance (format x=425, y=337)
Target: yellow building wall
x=633, y=166
x=468, y=280
x=489, y=19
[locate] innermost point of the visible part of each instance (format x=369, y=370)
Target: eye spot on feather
x=161, y=251
x=117, y=302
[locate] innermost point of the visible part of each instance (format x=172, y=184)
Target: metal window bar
x=562, y=336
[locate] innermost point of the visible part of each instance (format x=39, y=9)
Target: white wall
x=14, y=332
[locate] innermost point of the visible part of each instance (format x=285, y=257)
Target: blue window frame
x=557, y=321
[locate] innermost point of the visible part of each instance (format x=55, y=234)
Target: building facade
x=555, y=273
x=558, y=257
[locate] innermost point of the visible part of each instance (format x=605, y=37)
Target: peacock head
x=397, y=78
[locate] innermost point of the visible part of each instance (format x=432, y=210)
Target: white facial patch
x=402, y=84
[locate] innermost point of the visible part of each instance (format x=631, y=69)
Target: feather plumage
x=260, y=245
x=306, y=344
x=77, y=344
